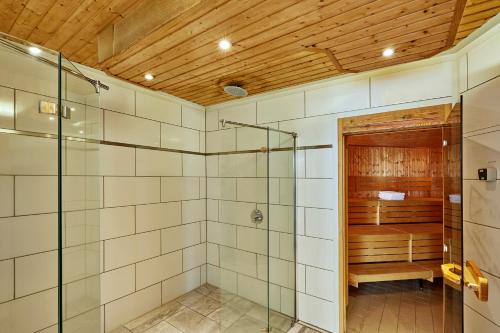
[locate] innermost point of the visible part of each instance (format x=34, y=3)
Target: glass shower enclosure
x=251, y=228
x=50, y=126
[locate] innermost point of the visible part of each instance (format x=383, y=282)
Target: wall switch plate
x=48, y=108
x=487, y=174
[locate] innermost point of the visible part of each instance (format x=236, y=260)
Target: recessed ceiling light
x=224, y=44
x=388, y=52
x=149, y=76
x=34, y=50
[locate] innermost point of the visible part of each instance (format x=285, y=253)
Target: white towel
x=391, y=195
x=455, y=198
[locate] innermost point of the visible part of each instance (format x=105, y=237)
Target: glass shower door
x=80, y=194
x=237, y=249
x=49, y=193
x=250, y=232
x=28, y=188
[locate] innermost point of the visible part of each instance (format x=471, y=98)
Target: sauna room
x=395, y=225
x=249, y=166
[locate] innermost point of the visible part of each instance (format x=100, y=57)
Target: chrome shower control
x=257, y=216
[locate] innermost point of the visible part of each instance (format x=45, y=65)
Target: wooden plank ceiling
x=275, y=43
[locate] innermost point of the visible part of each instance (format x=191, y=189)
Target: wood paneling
x=415, y=171
x=275, y=43
x=476, y=13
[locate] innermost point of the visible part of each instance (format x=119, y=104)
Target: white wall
x=313, y=110
x=480, y=84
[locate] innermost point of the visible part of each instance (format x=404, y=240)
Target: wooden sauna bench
x=394, y=240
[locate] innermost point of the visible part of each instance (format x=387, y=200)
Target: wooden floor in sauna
x=396, y=307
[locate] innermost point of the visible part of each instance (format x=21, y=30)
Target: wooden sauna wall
x=366, y=161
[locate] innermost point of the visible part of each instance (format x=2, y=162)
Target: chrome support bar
x=224, y=122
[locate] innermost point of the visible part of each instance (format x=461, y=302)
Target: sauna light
x=34, y=50
x=224, y=44
x=388, y=52
x=149, y=76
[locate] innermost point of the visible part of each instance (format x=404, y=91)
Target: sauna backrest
x=366, y=186
x=388, y=212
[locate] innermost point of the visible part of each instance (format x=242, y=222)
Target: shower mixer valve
x=257, y=216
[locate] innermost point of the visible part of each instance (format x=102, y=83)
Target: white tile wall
x=245, y=113
x=157, y=108
x=158, y=269
x=180, y=284
x=176, y=137
x=221, y=141
x=129, y=129
x=194, y=256
x=351, y=95
x=280, y=108
x=180, y=188
x=118, y=98
x=117, y=283
x=157, y=216
x=24, y=235
x=123, y=191
x=193, y=118
x=130, y=249
x=425, y=82
x=7, y=196
x=180, y=237
x=35, y=273
x=117, y=222
x=158, y=163
x=193, y=211
x=132, y=306
x=43, y=151
x=6, y=107
x=6, y=280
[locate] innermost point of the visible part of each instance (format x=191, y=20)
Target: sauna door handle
x=475, y=280
x=472, y=275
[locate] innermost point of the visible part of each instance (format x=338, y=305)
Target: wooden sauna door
x=452, y=206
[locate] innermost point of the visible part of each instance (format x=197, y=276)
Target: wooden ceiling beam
x=330, y=56
x=457, y=17
x=121, y=35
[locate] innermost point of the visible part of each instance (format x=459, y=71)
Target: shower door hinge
x=50, y=108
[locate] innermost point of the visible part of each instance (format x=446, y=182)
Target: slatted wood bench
x=394, y=240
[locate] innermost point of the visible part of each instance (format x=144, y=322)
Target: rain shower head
x=235, y=90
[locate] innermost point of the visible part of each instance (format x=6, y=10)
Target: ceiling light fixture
x=34, y=50
x=149, y=76
x=224, y=44
x=388, y=52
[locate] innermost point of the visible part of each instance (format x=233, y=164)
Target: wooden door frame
x=397, y=120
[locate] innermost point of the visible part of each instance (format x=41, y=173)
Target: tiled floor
x=208, y=309
x=395, y=307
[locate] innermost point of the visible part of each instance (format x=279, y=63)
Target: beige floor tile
x=189, y=321
x=163, y=327
x=226, y=315
x=152, y=318
x=240, y=303
x=246, y=324
x=200, y=303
